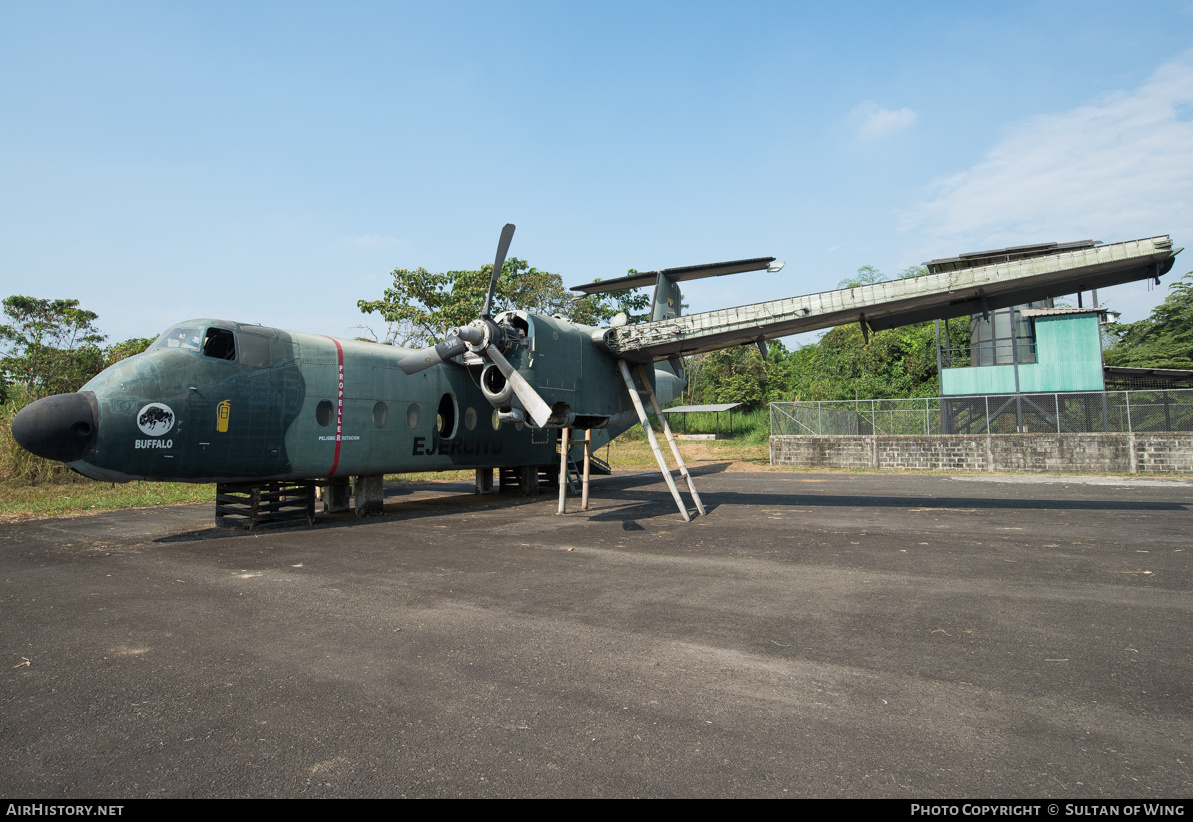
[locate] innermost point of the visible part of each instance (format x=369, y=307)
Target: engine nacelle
x=577, y=379
x=496, y=387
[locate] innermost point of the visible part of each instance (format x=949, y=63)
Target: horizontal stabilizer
x=940, y=295
x=675, y=275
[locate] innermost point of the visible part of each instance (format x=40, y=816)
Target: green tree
x=868, y=275
x=420, y=305
x=900, y=362
x=1164, y=339
x=49, y=346
x=122, y=350
x=735, y=374
x=740, y=374
x=633, y=302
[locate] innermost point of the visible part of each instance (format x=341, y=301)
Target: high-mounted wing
x=676, y=275
x=949, y=293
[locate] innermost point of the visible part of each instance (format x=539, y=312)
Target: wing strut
x=683, y=469
x=654, y=443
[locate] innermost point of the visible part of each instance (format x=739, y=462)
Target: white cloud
x=1118, y=169
x=875, y=122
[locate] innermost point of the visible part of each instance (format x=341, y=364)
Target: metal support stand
x=683, y=468
x=528, y=480
x=654, y=443
x=239, y=505
x=587, y=464
x=563, y=468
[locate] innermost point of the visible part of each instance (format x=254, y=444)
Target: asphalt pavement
x=828, y=635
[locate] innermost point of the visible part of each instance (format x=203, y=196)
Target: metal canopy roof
x=1173, y=373
x=723, y=406
x=676, y=275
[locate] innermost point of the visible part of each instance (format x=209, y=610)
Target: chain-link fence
x=1072, y=413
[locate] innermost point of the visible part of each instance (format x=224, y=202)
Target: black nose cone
x=61, y=427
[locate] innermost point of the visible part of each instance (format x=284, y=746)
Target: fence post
x=1056, y=402
x=1127, y=398
x=820, y=418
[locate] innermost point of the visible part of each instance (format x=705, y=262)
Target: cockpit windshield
x=212, y=341
x=185, y=337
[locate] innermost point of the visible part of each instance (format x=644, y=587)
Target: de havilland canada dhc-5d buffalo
x=239, y=404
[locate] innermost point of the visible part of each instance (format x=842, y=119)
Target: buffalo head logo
x=155, y=419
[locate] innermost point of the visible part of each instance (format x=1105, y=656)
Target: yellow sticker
x=223, y=413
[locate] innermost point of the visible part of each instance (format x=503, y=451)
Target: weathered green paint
x=1068, y=358
x=383, y=421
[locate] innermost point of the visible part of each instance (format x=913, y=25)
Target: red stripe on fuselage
x=335, y=463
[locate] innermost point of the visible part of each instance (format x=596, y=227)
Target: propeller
x=482, y=336
x=503, y=247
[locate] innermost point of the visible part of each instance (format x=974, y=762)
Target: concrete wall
x=1165, y=453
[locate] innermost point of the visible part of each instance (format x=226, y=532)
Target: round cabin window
x=470, y=418
x=323, y=412
x=413, y=415
x=380, y=414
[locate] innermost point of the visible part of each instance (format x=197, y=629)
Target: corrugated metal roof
x=1056, y=312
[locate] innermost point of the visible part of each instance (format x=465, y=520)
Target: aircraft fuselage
x=216, y=401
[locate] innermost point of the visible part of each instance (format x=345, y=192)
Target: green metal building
x=1052, y=350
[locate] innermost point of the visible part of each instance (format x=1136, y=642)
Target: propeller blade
x=503, y=247
x=453, y=346
x=535, y=406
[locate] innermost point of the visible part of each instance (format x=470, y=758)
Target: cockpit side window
x=254, y=350
x=220, y=344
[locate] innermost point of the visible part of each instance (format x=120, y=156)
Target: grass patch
x=17, y=465
x=466, y=475
x=634, y=453
x=53, y=499
x=747, y=426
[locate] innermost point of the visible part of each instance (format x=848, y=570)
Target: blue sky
x=273, y=162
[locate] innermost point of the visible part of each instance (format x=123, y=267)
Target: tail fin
x=668, y=299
